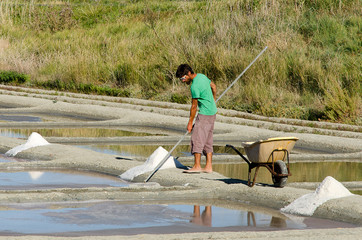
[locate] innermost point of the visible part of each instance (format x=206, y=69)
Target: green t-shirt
x=200, y=89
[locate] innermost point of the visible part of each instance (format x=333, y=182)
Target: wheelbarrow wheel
x=280, y=168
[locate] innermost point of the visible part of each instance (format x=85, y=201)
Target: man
x=203, y=92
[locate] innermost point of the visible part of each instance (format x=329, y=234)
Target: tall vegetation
x=311, y=70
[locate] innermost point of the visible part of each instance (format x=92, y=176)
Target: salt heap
x=34, y=140
x=330, y=188
x=150, y=164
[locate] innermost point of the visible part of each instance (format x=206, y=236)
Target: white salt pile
x=330, y=188
x=150, y=164
x=34, y=140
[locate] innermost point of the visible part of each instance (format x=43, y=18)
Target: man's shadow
x=239, y=181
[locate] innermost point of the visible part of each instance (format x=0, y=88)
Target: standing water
x=111, y=217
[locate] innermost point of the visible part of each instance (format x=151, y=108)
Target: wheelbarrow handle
x=240, y=154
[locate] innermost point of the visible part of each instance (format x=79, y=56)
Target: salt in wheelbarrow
x=273, y=154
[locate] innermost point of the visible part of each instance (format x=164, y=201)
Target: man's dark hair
x=183, y=70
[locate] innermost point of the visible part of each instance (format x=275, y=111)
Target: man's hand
x=189, y=127
x=213, y=89
x=193, y=111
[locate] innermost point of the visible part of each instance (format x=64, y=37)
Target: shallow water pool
x=112, y=217
x=342, y=171
x=50, y=179
x=70, y=132
x=144, y=150
x=301, y=171
x=43, y=117
x=19, y=118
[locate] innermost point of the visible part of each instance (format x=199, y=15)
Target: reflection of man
x=251, y=219
x=204, y=219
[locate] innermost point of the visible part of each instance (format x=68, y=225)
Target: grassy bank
x=311, y=70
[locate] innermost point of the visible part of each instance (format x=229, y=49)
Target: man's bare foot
x=193, y=170
x=207, y=170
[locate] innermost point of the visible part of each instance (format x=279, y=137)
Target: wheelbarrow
x=273, y=154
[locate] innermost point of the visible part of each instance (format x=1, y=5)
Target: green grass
x=10, y=77
x=311, y=70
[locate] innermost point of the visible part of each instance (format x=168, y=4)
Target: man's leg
x=208, y=148
x=208, y=166
x=197, y=164
x=196, y=146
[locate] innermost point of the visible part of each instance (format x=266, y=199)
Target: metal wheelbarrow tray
x=273, y=154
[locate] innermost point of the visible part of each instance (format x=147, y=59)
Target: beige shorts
x=202, y=134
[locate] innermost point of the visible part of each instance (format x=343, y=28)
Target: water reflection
x=275, y=222
x=278, y=222
x=144, y=150
x=70, y=132
x=4, y=158
x=44, y=117
x=135, y=150
x=19, y=118
x=133, y=218
x=205, y=219
x=301, y=171
x=55, y=179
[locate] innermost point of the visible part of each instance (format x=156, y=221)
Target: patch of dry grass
x=311, y=69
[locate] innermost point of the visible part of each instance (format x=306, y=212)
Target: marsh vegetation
x=131, y=48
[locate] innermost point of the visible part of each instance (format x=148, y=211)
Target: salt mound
x=330, y=188
x=150, y=164
x=34, y=140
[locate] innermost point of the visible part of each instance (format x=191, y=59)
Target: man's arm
x=193, y=111
x=213, y=89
